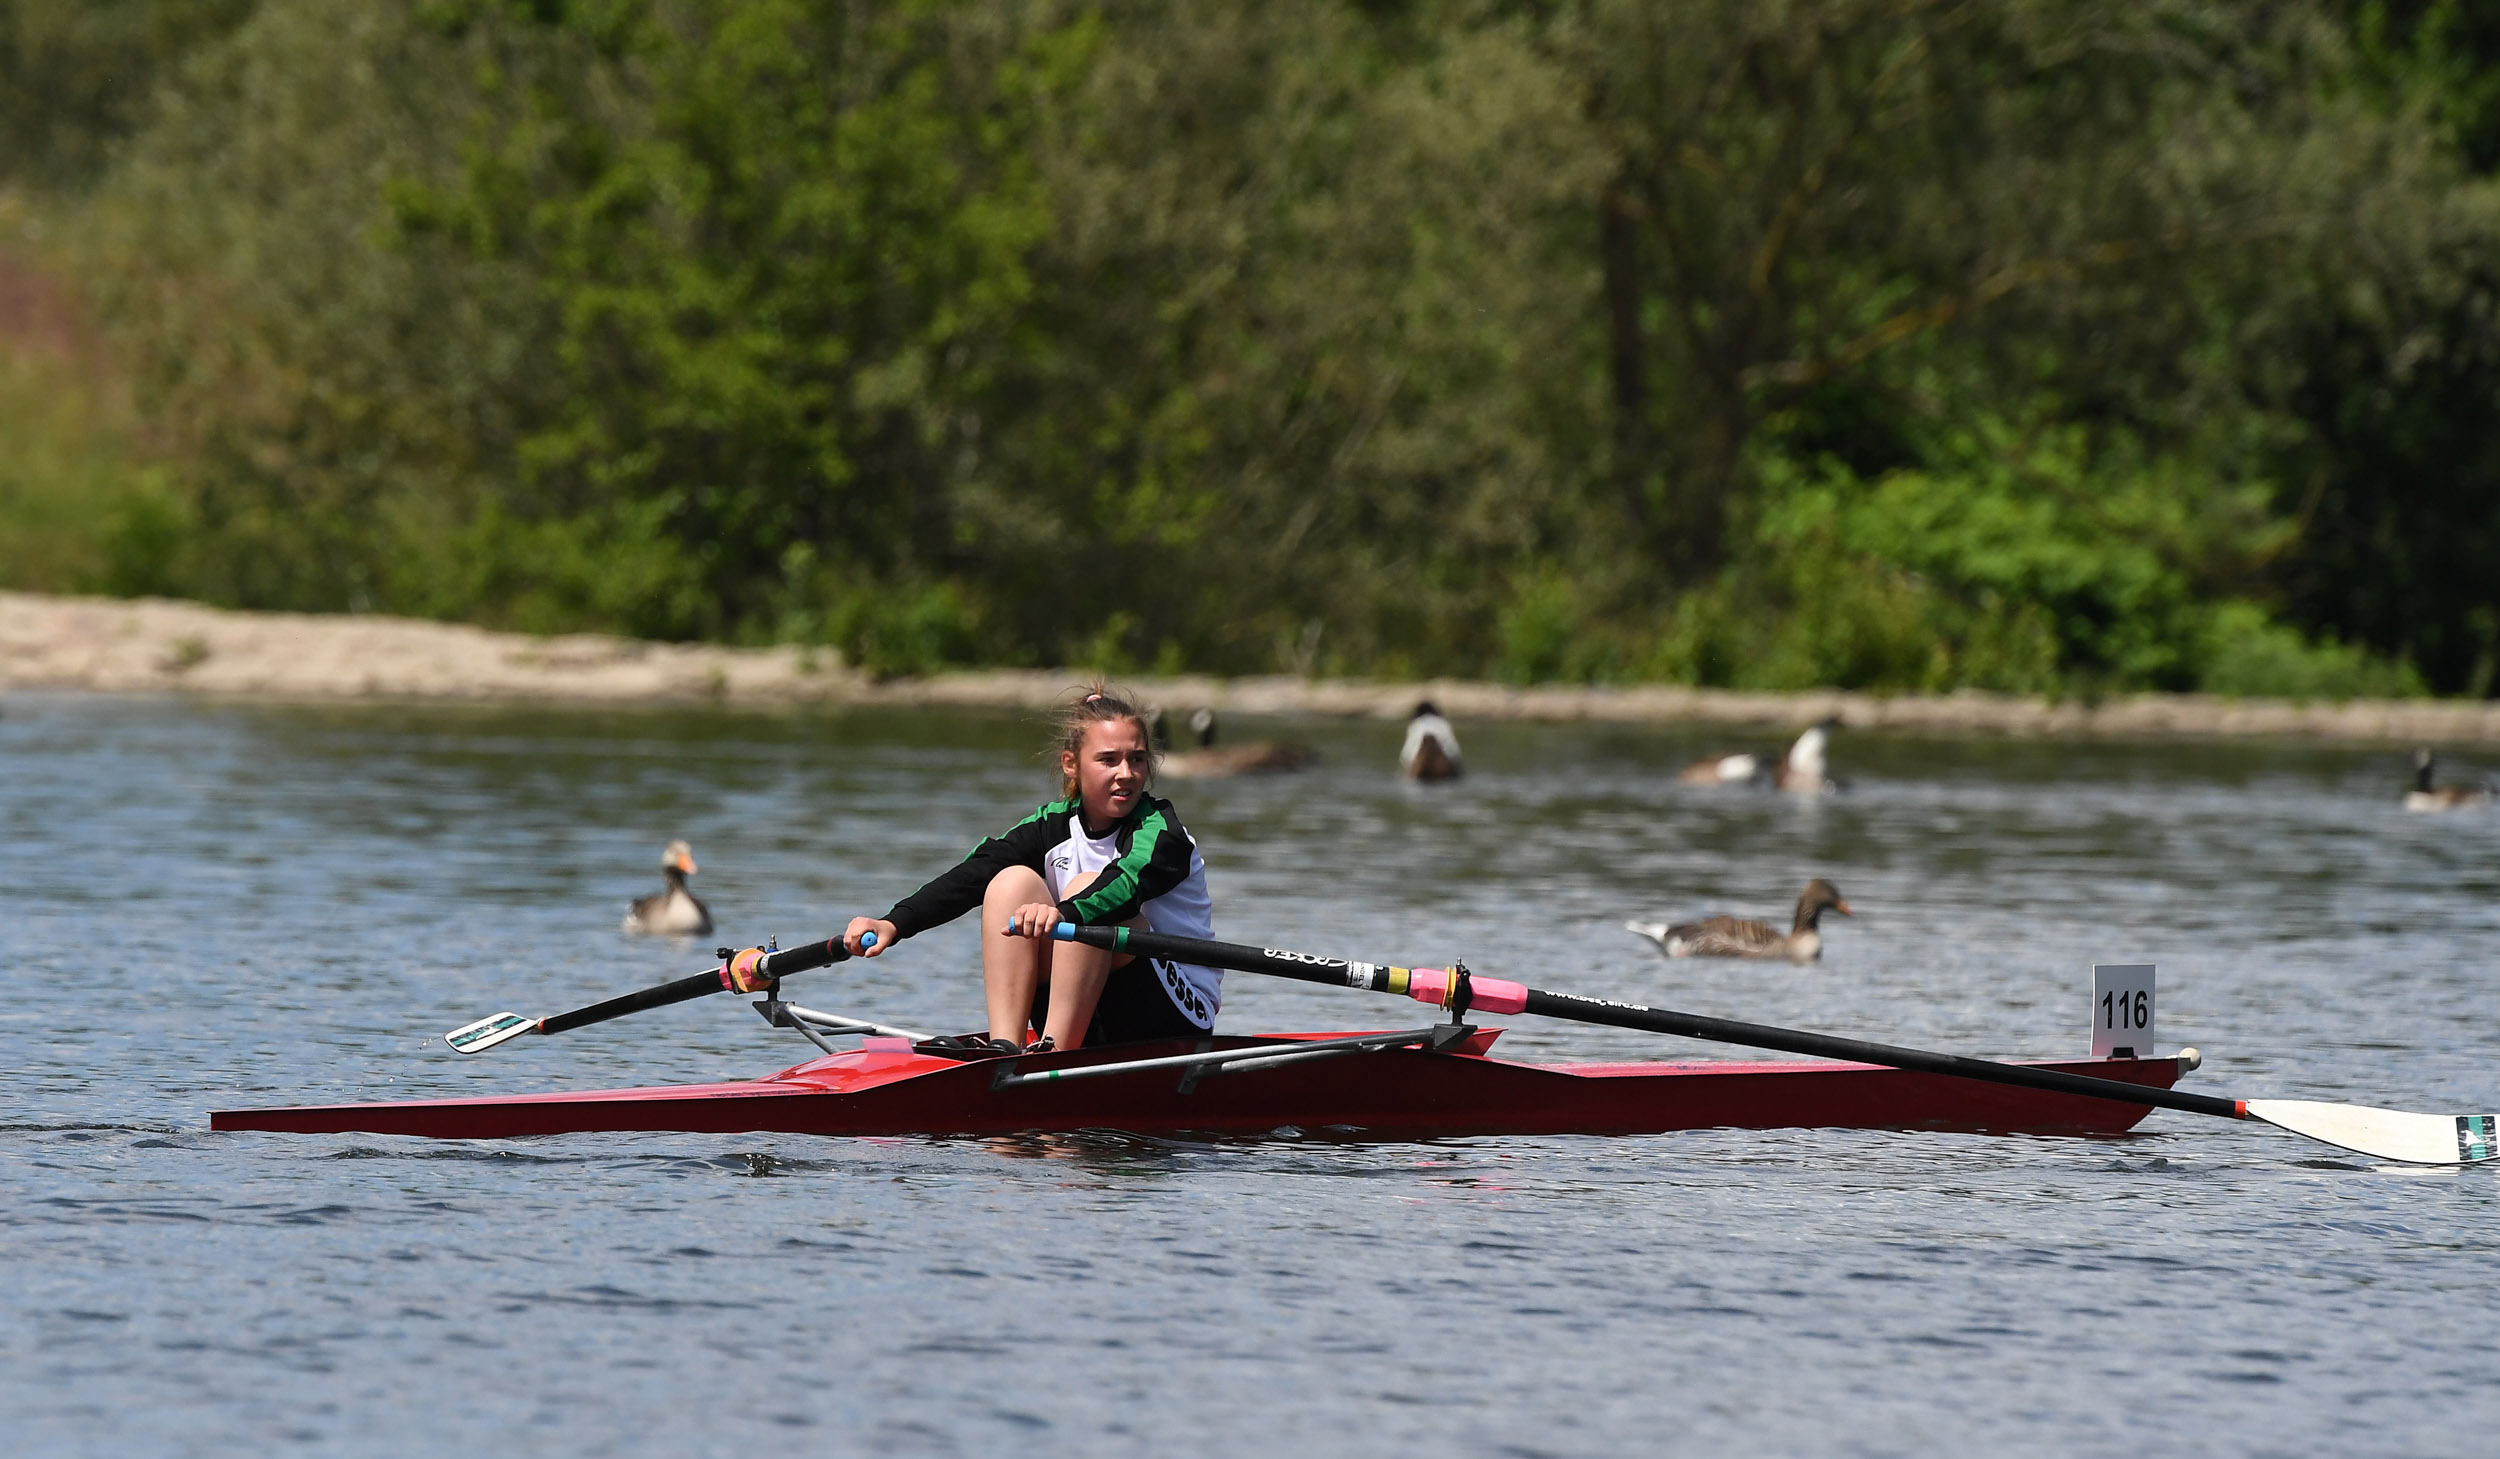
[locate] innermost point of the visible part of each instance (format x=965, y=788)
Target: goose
x=1210, y=760
x=673, y=910
x=1737, y=937
x=1802, y=772
x=1431, y=748
x=2425, y=796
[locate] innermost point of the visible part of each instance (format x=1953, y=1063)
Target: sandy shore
x=151, y=646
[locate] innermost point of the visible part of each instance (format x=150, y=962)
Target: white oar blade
x=478, y=1037
x=2388, y=1134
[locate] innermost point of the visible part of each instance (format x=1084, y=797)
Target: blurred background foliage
x=2046, y=345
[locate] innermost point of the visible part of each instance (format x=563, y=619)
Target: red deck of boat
x=1398, y=1094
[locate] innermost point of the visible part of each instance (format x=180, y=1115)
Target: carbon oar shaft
x=716, y=980
x=1859, y=1051
x=638, y=1001
x=1499, y=995
x=496, y=1029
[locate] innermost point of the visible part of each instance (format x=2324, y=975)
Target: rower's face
x=1110, y=768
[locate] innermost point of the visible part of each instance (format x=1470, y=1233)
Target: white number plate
x=2122, y=1010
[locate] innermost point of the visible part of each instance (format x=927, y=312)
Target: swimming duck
x=1431, y=748
x=1802, y=772
x=1210, y=760
x=672, y=911
x=2425, y=796
x=1737, y=937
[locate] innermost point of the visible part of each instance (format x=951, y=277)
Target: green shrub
x=2247, y=652
x=903, y=629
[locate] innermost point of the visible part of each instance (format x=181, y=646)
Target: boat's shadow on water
x=1100, y=1151
x=1119, y=1152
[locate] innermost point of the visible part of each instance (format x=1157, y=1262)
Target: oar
x=2386, y=1134
x=742, y=972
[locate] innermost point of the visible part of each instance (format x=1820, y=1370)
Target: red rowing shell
x=1392, y=1094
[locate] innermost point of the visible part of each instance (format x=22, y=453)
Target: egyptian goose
x=1210, y=760
x=1737, y=937
x=672, y=911
x=2425, y=796
x=1431, y=748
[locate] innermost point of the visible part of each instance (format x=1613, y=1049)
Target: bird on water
x=1800, y=772
x=1739, y=937
x=1740, y=769
x=672, y=911
x=1210, y=760
x=2424, y=796
x=1431, y=748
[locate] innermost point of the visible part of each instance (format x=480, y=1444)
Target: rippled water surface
x=208, y=906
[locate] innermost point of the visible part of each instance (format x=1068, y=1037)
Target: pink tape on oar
x=1499, y=995
x=1485, y=995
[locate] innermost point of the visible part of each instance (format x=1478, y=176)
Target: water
x=218, y=905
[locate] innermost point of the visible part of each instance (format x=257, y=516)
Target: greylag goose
x=1210, y=760
x=672, y=911
x=2425, y=796
x=1431, y=748
x=1802, y=772
x=1737, y=937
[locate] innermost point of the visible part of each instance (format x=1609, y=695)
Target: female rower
x=1105, y=851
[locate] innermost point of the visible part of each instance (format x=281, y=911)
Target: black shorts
x=1134, y=1008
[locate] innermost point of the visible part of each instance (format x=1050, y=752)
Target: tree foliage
x=2053, y=345
x=77, y=76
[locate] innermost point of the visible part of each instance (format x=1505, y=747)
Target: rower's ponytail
x=1099, y=703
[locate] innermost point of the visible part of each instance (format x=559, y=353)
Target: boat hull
x=1391, y=1094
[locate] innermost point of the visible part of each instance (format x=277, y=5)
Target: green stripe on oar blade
x=478, y=1037
x=2388, y=1134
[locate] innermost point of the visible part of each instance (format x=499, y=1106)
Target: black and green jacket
x=1146, y=864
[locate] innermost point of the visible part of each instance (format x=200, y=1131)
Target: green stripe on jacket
x=1040, y=813
x=1126, y=872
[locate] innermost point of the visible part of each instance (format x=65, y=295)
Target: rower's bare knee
x=1016, y=886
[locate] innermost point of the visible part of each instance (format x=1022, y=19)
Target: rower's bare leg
x=1077, y=976
x=1013, y=967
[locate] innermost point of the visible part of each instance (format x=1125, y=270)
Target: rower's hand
x=862, y=926
x=1034, y=920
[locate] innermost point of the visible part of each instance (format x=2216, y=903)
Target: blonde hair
x=1098, y=703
